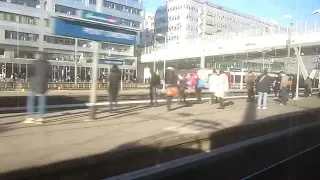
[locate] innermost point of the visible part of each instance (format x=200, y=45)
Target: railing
x=68, y=86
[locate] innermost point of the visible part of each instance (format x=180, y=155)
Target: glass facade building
x=65, y=29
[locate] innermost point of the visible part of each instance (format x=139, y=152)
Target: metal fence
x=68, y=86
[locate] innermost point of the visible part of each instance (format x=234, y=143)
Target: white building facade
x=183, y=19
x=147, y=34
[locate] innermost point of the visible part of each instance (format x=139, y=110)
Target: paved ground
x=69, y=134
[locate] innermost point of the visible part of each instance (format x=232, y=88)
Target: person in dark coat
x=114, y=83
x=276, y=86
x=263, y=85
x=250, y=81
x=307, y=87
x=40, y=75
x=183, y=83
x=155, y=82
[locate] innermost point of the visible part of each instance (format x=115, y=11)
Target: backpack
x=201, y=84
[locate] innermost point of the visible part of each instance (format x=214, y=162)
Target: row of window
x=192, y=18
x=73, y=11
x=174, y=18
x=30, y=3
x=185, y=6
x=21, y=36
x=62, y=41
x=65, y=10
x=22, y=19
x=226, y=18
x=121, y=7
x=191, y=28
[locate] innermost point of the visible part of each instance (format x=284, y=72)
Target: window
x=65, y=10
x=10, y=35
x=30, y=3
x=121, y=7
x=19, y=18
x=2, y=16
x=47, y=22
x=59, y=40
x=1, y=52
x=92, y=1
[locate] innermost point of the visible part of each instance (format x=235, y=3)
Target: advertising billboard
x=94, y=32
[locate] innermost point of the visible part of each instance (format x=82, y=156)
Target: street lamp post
x=76, y=61
x=298, y=73
x=264, y=56
x=93, y=92
x=164, y=59
x=314, y=13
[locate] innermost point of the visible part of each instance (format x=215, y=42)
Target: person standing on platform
x=183, y=82
x=222, y=89
x=263, y=85
x=307, y=87
x=213, y=85
x=250, y=81
x=114, y=83
x=276, y=86
x=198, y=88
x=40, y=75
x=284, y=92
x=154, y=83
x=171, y=81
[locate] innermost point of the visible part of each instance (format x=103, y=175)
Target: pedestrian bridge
x=211, y=46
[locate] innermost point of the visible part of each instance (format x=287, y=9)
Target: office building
x=184, y=19
x=147, y=33
x=65, y=29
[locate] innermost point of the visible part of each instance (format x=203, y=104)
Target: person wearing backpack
x=154, y=83
x=263, y=85
x=198, y=88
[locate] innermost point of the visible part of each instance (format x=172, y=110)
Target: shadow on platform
x=161, y=148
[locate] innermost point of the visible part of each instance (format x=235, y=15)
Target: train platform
x=14, y=99
x=69, y=135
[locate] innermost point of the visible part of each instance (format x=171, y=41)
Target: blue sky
x=267, y=9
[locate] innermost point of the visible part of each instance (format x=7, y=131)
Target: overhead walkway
x=211, y=47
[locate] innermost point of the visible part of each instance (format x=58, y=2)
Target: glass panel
x=8, y=70
x=23, y=71
x=2, y=71
x=2, y=16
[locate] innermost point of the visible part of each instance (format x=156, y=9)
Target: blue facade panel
x=93, y=32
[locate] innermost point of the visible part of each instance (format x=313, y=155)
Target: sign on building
x=93, y=32
x=111, y=62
